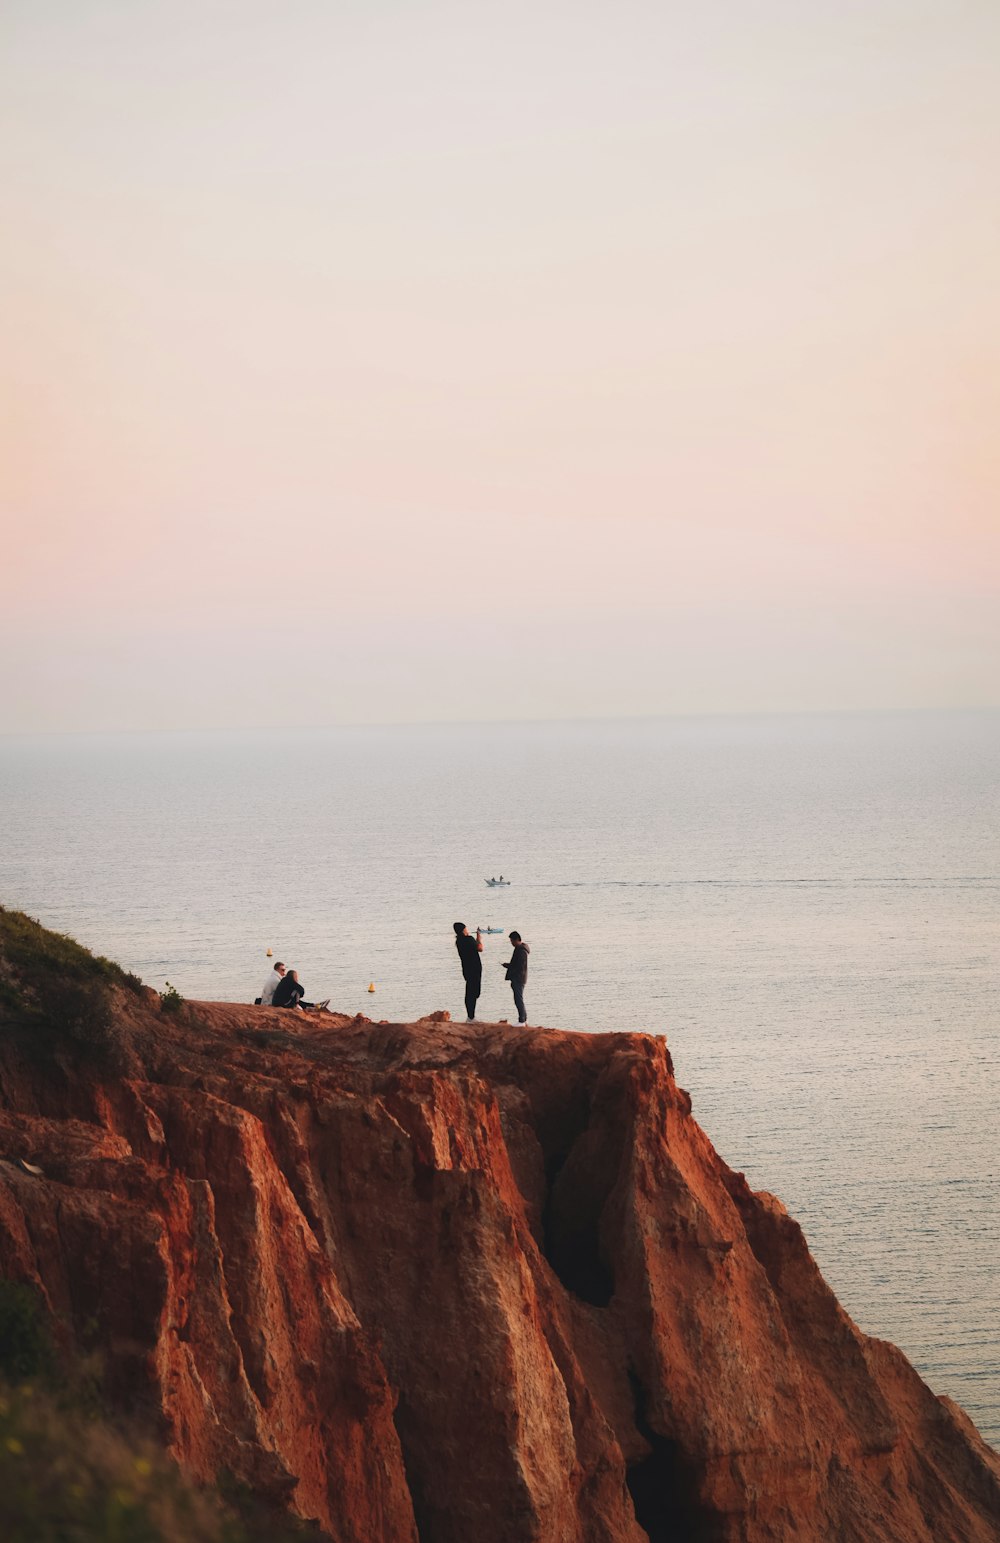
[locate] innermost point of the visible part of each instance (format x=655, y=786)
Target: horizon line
x=520, y=722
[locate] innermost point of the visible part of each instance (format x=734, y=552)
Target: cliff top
x=443, y=1280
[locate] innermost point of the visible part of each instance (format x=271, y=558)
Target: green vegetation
x=57, y=993
x=30, y=948
x=170, y=999
x=70, y=1474
x=67, y=1476
x=25, y=1340
x=10, y=997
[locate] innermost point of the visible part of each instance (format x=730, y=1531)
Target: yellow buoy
x=269, y=954
x=371, y=985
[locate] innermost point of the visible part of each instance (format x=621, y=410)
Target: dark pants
x=517, y=986
x=472, y=990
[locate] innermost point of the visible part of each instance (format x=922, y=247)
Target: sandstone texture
x=462, y=1284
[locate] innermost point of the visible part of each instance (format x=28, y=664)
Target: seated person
x=266, y=998
x=289, y=993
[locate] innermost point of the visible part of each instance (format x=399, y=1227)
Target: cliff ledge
x=451, y=1282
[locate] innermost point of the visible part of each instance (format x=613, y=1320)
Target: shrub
x=170, y=999
x=11, y=998
x=25, y=1341
x=69, y=1473
x=60, y=993
x=67, y=1476
x=80, y=1011
x=31, y=950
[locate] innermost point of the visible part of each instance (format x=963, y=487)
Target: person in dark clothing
x=517, y=973
x=469, y=950
x=289, y=993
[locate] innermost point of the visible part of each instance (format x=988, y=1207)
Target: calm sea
x=806, y=906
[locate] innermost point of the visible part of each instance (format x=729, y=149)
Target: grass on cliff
x=56, y=993
x=29, y=947
x=69, y=1473
x=66, y=1474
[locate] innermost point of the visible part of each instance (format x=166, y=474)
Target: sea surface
x=806, y=906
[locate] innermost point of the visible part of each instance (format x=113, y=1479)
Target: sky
x=459, y=361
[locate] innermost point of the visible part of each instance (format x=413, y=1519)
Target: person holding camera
x=469, y=950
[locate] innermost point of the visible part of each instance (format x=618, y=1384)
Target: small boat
x=489, y=931
x=497, y=883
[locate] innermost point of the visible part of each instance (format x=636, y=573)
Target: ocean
x=807, y=906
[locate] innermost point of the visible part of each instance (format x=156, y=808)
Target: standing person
x=517, y=973
x=469, y=949
x=266, y=997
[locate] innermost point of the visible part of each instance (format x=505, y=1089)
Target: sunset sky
x=377, y=362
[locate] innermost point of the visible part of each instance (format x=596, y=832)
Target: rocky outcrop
x=441, y=1282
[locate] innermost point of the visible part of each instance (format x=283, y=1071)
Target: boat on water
x=489, y=931
x=500, y=883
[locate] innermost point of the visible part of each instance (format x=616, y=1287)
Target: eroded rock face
x=463, y=1283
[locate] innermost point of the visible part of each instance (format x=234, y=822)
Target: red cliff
x=451, y=1283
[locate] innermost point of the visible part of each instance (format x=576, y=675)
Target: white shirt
x=270, y=986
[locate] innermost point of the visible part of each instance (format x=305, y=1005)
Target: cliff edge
x=441, y=1282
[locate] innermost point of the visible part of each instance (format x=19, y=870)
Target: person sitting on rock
x=266, y=998
x=289, y=993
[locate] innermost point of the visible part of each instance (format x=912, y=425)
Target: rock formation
x=442, y=1282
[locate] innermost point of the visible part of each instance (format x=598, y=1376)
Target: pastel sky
x=373, y=361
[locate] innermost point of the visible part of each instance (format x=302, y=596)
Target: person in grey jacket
x=517, y=973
